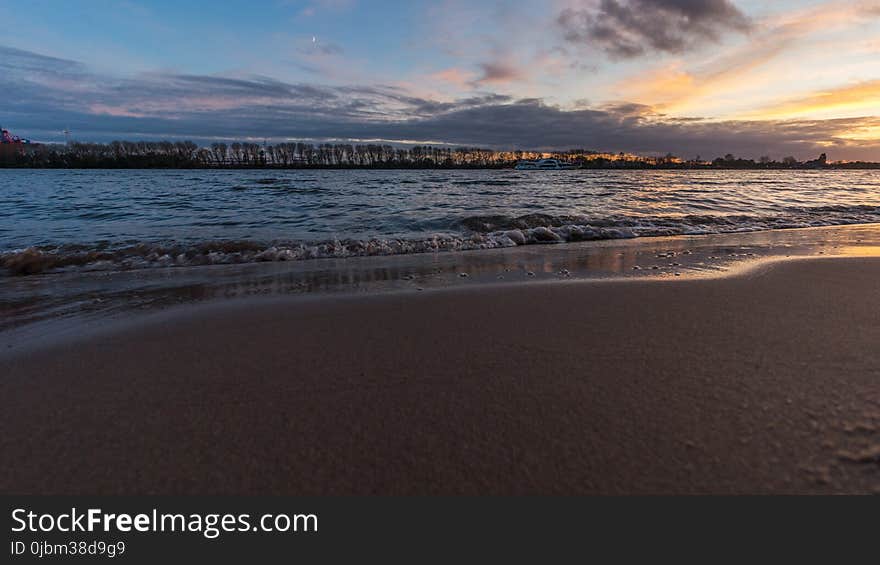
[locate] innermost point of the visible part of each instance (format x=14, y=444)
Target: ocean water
x=53, y=220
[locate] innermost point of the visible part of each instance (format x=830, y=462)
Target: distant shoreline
x=343, y=156
x=507, y=166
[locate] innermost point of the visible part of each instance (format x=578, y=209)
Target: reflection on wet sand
x=26, y=301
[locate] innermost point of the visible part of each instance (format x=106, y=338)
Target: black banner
x=282, y=529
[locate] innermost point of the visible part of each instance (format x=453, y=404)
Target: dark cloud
x=630, y=28
x=498, y=71
x=42, y=96
x=18, y=61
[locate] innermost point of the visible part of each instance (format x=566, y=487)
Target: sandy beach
x=763, y=382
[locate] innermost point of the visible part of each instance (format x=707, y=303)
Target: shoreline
x=764, y=381
x=63, y=332
x=40, y=306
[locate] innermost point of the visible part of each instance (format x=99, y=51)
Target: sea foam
x=477, y=232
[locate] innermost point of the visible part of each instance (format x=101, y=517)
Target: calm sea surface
x=148, y=217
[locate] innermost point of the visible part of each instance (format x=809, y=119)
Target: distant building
x=819, y=163
x=12, y=146
x=7, y=138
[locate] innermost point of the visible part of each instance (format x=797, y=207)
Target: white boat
x=544, y=165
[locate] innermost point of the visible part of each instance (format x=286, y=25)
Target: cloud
x=534, y=124
x=677, y=87
x=495, y=72
x=209, y=108
x=861, y=98
x=631, y=28
x=20, y=61
x=454, y=77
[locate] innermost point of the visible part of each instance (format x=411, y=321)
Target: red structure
x=7, y=138
x=13, y=147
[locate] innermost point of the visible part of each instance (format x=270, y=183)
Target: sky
x=691, y=77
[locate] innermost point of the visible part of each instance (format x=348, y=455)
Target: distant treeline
x=186, y=154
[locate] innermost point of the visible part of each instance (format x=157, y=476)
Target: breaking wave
x=475, y=232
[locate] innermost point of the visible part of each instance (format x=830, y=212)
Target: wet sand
x=763, y=382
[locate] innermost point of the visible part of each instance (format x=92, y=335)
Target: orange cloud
x=660, y=87
x=867, y=133
x=861, y=99
x=673, y=89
